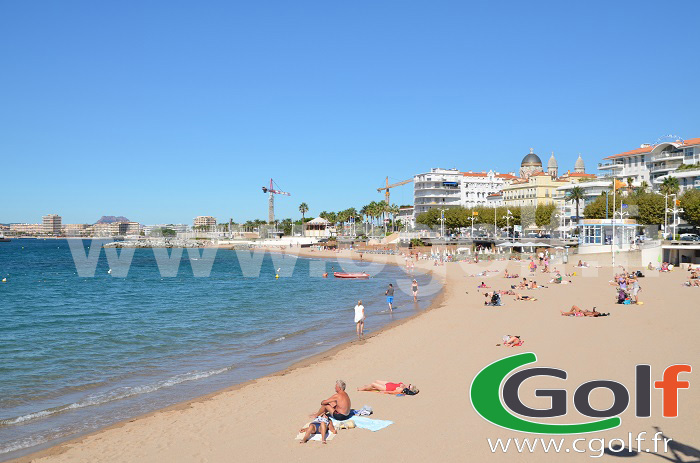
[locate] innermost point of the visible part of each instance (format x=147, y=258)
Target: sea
x=83, y=347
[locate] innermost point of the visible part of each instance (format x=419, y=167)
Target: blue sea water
x=79, y=353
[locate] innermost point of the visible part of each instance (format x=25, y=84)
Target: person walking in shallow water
x=414, y=289
x=360, y=319
x=390, y=297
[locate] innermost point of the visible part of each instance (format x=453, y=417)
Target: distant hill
x=112, y=219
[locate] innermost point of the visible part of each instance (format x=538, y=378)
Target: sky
x=161, y=111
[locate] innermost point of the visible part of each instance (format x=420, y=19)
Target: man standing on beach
x=338, y=405
x=390, y=297
x=360, y=319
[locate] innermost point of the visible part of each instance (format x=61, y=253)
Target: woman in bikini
x=320, y=425
x=387, y=387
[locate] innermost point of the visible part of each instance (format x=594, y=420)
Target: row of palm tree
x=374, y=213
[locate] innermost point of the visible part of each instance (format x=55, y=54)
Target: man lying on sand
x=320, y=425
x=337, y=405
x=520, y=297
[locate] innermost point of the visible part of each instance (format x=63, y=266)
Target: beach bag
x=639, y=274
x=621, y=296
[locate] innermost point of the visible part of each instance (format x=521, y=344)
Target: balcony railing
x=666, y=156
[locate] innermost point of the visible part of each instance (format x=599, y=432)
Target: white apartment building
x=567, y=209
x=444, y=188
x=687, y=179
x=649, y=163
x=477, y=186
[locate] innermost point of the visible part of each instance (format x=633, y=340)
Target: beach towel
x=368, y=423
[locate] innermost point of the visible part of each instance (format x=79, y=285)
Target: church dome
x=579, y=166
x=531, y=160
x=552, y=162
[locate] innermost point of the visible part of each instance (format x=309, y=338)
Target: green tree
x=669, y=186
x=577, y=195
x=650, y=207
x=644, y=186
x=543, y=214
x=690, y=202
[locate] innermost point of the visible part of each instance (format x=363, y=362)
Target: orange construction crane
x=387, y=187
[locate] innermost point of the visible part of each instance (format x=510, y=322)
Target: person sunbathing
x=511, y=341
x=577, y=312
x=523, y=284
x=320, y=425
x=388, y=387
x=520, y=297
x=483, y=285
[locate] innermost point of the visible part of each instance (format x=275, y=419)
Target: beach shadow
x=679, y=451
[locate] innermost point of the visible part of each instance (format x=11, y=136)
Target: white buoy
x=4, y=280
x=109, y=271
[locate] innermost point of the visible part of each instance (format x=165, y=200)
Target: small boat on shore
x=350, y=275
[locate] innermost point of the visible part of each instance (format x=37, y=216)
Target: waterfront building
x=495, y=200
x=51, y=224
x=688, y=178
x=317, y=228
x=124, y=229
x=477, y=186
x=602, y=235
x=650, y=162
x=30, y=229
x=406, y=217
x=537, y=189
x=205, y=221
x=75, y=229
x=445, y=188
x=591, y=186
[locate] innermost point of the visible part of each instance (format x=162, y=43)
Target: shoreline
x=326, y=355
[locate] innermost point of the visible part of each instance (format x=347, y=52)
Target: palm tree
x=576, y=194
x=394, y=211
x=630, y=180
x=669, y=186
x=303, y=208
x=643, y=186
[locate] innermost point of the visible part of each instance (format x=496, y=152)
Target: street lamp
x=508, y=216
x=675, y=211
x=442, y=223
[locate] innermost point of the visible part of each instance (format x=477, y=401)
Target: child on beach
x=320, y=425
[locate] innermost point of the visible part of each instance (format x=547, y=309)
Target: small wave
x=280, y=339
x=113, y=395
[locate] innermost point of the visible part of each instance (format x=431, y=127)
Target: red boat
x=350, y=275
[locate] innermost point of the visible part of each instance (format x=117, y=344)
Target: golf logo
x=490, y=400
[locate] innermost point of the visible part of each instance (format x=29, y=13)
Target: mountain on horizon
x=112, y=219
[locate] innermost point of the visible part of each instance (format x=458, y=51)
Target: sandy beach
x=440, y=350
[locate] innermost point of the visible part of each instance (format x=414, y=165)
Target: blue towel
x=368, y=423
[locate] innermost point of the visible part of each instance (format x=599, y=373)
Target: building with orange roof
x=650, y=163
x=445, y=188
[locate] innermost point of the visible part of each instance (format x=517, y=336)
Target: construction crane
x=271, y=205
x=387, y=187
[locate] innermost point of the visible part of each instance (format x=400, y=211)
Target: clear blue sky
x=164, y=110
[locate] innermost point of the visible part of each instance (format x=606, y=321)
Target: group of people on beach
x=338, y=407
x=627, y=286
